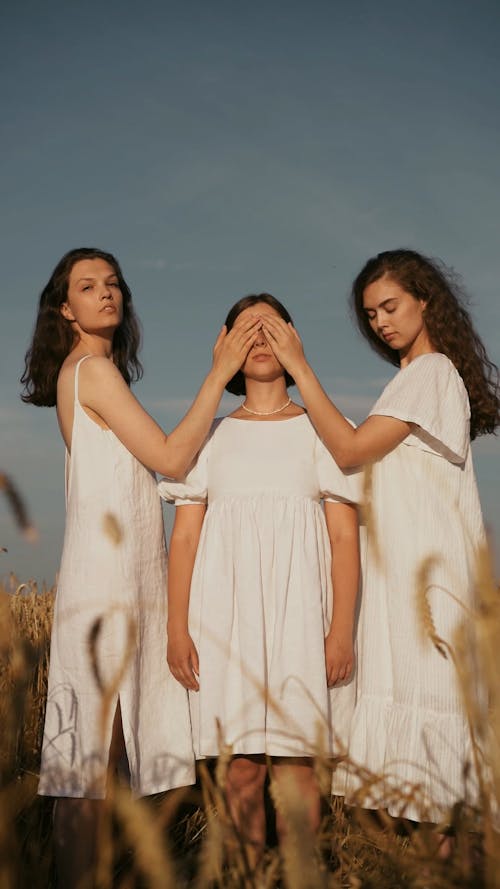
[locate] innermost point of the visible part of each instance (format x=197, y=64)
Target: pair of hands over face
x=231, y=349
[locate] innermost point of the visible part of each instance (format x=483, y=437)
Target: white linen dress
x=261, y=593
x=116, y=583
x=409, y=723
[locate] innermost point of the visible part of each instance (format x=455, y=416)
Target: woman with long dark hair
x=107, y=660
x=425, y=526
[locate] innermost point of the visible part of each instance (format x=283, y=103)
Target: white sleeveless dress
x=123, y=585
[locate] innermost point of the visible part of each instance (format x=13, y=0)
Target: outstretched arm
x=342, y=524
x=182, y=656
x=103, y=390
x=348, y=446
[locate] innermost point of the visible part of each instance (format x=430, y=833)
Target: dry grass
x=187, y=838
x=25, y=621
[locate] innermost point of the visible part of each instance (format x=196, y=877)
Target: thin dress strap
x=77, y=368
x=67, y=458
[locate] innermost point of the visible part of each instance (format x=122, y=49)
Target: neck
x=93, y=344
x=265, y=396
x=420, y=346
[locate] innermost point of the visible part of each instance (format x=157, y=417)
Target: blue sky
x=225, y=148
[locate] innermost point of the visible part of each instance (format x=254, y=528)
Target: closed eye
x=388, y=306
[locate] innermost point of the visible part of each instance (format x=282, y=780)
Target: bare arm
x=103, y=390
x=349, y=447
x=342, y=524
x=182, y=656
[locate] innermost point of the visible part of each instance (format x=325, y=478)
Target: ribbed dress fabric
x=261, y=593
x=118, y=584
x=409, y=723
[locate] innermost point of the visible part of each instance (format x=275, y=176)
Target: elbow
x=175, y=468
x=347, y=540
x=346, y=460
x=343, y=453
x=172, y=471
x=174, y=464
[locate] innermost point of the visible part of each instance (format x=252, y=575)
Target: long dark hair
x=447, y=322
x=53, y=337
x=236, y=384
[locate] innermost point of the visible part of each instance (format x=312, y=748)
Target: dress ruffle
x=398, y=754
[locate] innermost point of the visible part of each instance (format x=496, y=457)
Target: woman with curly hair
x=112, y=586
x=409, y=724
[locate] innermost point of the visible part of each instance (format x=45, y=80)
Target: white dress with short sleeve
x=409, y=723
x=112, y=587
x=261, y=593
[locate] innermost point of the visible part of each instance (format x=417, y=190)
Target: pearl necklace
x=277, y=410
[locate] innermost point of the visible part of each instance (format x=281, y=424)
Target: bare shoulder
x=66, y=377
x=101, y=382
x=99, y=367
x=94, y=370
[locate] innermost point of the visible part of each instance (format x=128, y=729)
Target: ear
x=66, y=312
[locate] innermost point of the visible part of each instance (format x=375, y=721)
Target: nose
x=261, y=338
x=380, y=322
x=105, y=291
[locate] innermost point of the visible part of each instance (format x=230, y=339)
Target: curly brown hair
x=236, y=384
x=53, y=338
x=448, y=325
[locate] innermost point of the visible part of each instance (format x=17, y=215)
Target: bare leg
x=443, y=844
x=75, y=836
x=76, y=827
x=298, y=772
x=118, y=761
x=245, y=796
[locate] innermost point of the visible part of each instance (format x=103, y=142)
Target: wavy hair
x=236, y=384
x=447, y=322
x=53, y=337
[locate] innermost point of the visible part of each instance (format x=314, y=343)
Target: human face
x=397, y=318
x=94, y=303
x=261, y=363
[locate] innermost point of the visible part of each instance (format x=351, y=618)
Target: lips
x=109, y=307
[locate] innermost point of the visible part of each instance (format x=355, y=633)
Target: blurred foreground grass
x=185, y=838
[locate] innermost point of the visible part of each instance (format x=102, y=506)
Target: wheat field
x=186, y=837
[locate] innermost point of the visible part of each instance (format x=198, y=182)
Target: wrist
x=300, y=371
x=177, y=628
x=217, y=377
x=342, y=628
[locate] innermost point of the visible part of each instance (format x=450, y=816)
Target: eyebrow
x=91, y=278
x=383, y=303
